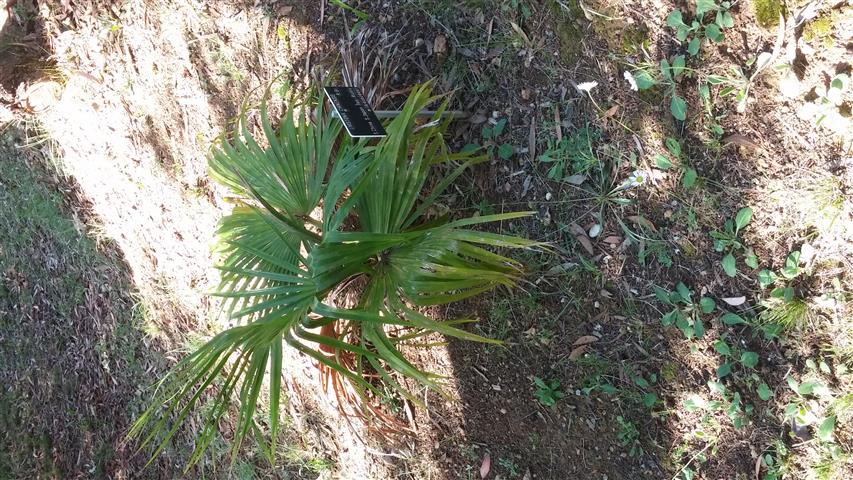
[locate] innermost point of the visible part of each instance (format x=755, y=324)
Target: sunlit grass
x=789, y=315
x=813, y=200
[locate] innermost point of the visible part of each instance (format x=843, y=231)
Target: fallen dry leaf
x=521, y=33
x=613, y=239
x=609, y=112
x=580, y=235
x=558, y=129
x=585, y=340
x=643, y=222
x=486, y=466
x=758, y=468
x=739, y=139
x=575, y=179
x=735, y=301
x=578, y=352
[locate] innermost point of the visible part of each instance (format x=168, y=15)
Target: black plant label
x=352, y=108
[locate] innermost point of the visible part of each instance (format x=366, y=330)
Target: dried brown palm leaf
x=352, y=404
x=369, y=60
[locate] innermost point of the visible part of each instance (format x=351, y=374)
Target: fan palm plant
x=321, y=210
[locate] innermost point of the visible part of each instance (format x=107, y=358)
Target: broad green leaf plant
x=728, y=240
x=672, y=70
x=698, y=29
x=320, y=214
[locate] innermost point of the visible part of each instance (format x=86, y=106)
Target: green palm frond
x=281, y=268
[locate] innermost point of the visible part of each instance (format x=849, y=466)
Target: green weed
x=547, y=391
x=629, y=436
x=572, y=155
x=697, y=30
x=490, y=134
x=677, y=161
x=685, y=315
x=775, y=461
x=728, y=240
x=509, y=466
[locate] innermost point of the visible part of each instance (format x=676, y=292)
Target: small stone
x=595, y=230
x=439, y=46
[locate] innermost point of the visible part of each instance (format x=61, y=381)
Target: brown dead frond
x=369, y=60
x=352, y=403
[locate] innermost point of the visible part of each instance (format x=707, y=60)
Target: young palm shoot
x=283, y=265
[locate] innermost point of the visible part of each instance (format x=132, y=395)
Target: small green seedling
x=685, y=314
x=783, y=310
x=649, y=399
x=571, y=155
x=694, y=33
x=725, y=400
x=728, y=241
x=801, y=413
x=790, y=271
x=774, y=462
x=712, y=118
x=830, y=100
x=548, y=392
x=490, y=134
x=512, y=468
x=737, y=412
x=738, y=84
x=670, y=74
x=688, y=173
x=731, y=355
x=629, y=436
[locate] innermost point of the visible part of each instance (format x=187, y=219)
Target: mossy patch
x=820, y=30
x=607, y=23
x=568, y=31
x=767, y=12
x=668, y=372
x=633, y=36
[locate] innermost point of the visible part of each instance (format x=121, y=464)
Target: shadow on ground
x=623, y=414
x=73, y=357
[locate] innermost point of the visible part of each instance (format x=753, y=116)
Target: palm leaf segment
x=280, y=266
